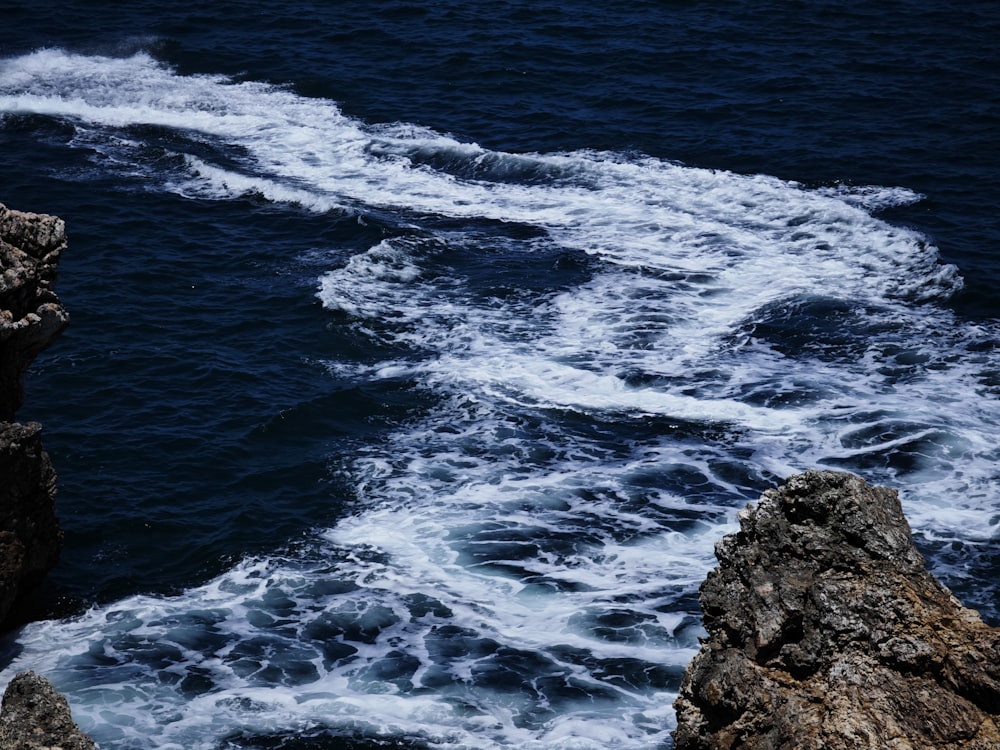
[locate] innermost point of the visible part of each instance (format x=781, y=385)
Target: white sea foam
x=521, y=567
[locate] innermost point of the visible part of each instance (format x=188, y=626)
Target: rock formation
x=30, y=537
x=31, y=317
x=35, y=717
x=826, y=631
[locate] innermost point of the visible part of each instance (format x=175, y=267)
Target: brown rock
x=826, y=631
x=36, y=717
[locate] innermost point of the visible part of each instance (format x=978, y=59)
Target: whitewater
x=606, y=355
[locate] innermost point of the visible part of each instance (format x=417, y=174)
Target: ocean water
x=421, y=352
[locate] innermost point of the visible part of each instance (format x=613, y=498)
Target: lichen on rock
x=826, y=631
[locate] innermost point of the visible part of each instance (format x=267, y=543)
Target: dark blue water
x=420, y=352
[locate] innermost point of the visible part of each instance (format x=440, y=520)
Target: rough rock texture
x=825, y=631
x=33, y=716
x=31, y=317
x=36, y=717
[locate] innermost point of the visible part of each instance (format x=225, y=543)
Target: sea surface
x=421, y=351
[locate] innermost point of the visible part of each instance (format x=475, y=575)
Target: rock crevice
x=826, y=631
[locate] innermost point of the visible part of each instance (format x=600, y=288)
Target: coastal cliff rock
x=36, y=717
x=30, y=538
x=31, y=317
x=33, y=715
x=826, y=631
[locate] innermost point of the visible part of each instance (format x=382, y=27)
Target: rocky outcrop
x=36, y=717
x=826, y=631
x=31, y=317
x=33, y=716
x=30, y=537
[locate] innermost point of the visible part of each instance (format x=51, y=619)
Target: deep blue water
x=420, y=352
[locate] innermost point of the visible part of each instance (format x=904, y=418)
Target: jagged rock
x=35, y=716
x=826, y=631
x=31, y=317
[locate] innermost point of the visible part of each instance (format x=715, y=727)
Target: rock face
x=30, y=537
x=35, y=717
x=31, y=317
x=826, y=631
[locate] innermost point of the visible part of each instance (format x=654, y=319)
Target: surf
x=604, y=356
